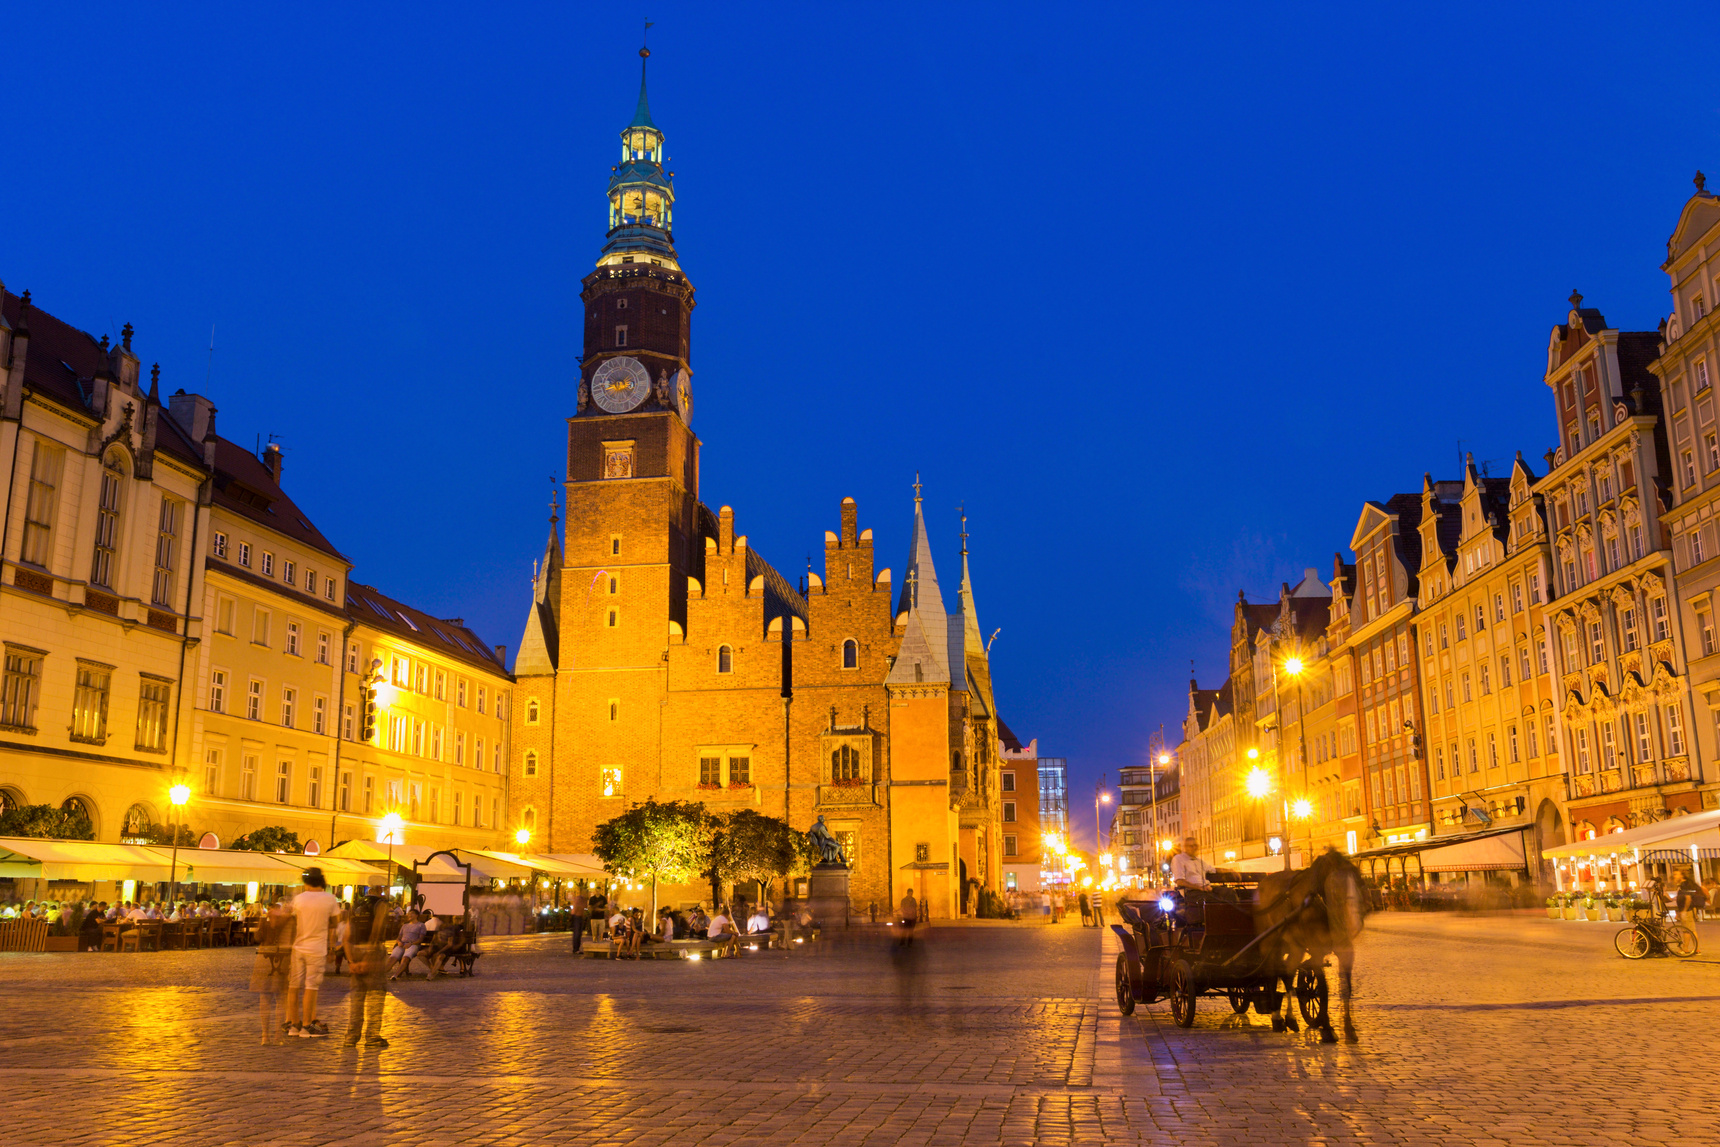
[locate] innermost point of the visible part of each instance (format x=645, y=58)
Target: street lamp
x=178, y=795
x=392, y=824
x=522, y=838
x=1100, y=796
x=1294, y=666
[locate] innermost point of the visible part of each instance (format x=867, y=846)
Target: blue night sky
x=1161, y=299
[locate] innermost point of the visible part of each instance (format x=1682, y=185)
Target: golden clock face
x=620, y=384
x=684, y=396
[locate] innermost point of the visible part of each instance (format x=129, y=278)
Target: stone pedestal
x=827, y=895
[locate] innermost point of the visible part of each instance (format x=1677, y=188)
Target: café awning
x=79, y=860
x=1496, y=852
x=229, y=866
x=338, y=869
x=405, y=855
x=1699, y=829
x=550, y=864
x=494, y=865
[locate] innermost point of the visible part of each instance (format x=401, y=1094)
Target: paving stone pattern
x=1474, y=1030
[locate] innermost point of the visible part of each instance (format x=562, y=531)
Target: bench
x=673, y=950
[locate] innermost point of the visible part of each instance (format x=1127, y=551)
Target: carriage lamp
x=1164, y=758
x=179, y=794
x=1253, y=754
x=522, y=837
x=1259, y=781
x=1293, y=666
x=1303, y=809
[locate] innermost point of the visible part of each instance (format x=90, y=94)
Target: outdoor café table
x=111, y=931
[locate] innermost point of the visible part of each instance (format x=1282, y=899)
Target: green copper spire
x=642, y=114
x=641, y=193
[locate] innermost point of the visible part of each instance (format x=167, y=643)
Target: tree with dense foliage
x=751, y=845
x=46, y=822
x=162, y=834
x=665, y=840
x=269, y=838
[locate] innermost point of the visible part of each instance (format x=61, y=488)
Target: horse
x=1320, y=909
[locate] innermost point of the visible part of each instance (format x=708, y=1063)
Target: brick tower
x=632, y=499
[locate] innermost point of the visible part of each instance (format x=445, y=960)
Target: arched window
x=531, y=763
x=725, y=659
x=532, y=711
x=11, y=800
x=135, y=827
x=80, y=807
x=956, y=761
x=845, y=764
x=850, y=654
x=107, y=519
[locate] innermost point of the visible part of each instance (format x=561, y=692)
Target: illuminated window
x=610, y=782
x=531, y=764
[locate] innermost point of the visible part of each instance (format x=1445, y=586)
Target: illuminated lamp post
x=392, y=824
x=178, y=795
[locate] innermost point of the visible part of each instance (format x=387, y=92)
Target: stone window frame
x=861, y=741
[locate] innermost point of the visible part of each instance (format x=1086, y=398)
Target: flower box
x=60, y=944
x=1554, y=912
x=1615, y=913
x=1571, y=911
x=1595, y=913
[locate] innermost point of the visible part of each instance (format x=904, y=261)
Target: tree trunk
x=653, y=896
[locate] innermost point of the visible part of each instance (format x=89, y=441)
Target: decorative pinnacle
x=24, y=299
x=104, y=344
x=1701, y=182
x=554, y=505
x=125, y=334
x=962, y=510
x=1576, y=299
x=154, y=375
x=916, y=485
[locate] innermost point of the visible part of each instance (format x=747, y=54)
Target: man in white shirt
x=759, y=922
x=1188, y=870
x=313, y=907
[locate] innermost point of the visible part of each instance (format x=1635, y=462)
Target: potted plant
x=63, y=932
x=1615, y=909
x=1571, y=909
x=1637, y=907
x=1555, y=905
x=1593, y=909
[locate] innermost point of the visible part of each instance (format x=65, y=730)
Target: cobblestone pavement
x=1474, y=1030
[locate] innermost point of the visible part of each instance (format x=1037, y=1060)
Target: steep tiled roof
x=370, y=606
x=245, y=486
x=1009, y=739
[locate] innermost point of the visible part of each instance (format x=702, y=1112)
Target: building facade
x=665, y=658
x=1685, y=373
x=1022, y=832
x=171, y=615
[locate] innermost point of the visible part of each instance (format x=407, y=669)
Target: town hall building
x=665, y=658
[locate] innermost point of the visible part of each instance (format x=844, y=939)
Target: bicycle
x=1650, y=936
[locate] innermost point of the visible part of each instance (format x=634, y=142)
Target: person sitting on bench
x=722, y=929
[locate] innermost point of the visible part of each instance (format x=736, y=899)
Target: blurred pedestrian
x=581, y=914
x=1086, y=910
x=269, y=967
x=313, y=909
x=365, y=935
x=910, y=917
x=1689, y=898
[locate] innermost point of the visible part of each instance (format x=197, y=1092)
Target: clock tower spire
x=638, y=302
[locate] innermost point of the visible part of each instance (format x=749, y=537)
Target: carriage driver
x=1188, y=870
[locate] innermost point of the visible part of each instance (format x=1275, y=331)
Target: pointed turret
x=540, y=646
x=642, y=113
x=925, y=653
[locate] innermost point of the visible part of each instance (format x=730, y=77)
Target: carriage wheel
x=1311, y=995
x=1125, y=990
x=1183, y=994
x=1238, y=1000
x=1681, y=941
x=1632, y=943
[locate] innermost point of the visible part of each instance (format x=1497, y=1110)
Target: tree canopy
x=269, y=838
x=46, y=822
x=750, y=845
x=665, y=840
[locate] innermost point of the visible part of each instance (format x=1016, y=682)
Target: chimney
x=272, y=459
x=194, y=413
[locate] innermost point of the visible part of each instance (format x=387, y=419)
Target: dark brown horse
x=1320, y=909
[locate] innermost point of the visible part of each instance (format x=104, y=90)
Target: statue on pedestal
x=829, y=848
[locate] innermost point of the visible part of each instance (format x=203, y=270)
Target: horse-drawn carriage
x=1182, y=945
